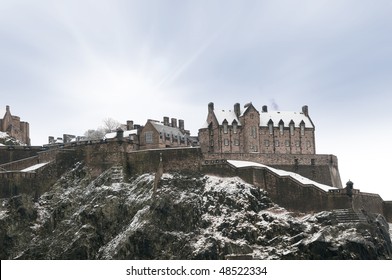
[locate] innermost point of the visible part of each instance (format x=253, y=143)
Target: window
x=271, y=127
x=302, y=128
x=225, y=130
x=226, y=141
x=308, y=144
x=281, y=127
x=234, y=127
x=266, y=143
x=297, y=143
x=212, y=143
x=287, y=143
x=253, y=132
x=148, y=135
x=291, y=128
x=276, y=143
x=236, y=142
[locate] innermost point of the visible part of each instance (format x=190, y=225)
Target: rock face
x=191, y=216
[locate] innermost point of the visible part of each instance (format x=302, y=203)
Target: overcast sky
x=67, y=65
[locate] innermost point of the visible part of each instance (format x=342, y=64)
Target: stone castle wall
x=285, y=191
x=320, y=168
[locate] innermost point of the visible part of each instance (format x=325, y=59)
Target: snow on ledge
x=34, y=167
x=295, y=176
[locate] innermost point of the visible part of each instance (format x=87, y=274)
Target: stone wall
x=320, y=168
x=181, y=159
x=12, y=153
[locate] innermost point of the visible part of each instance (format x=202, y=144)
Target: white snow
x=286, y=117
x=295, y=176
x=34, y=167
x=3, y=134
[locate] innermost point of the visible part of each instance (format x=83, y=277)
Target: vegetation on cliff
x=191, y=216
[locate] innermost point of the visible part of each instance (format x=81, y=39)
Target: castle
x=14, y=127
x=249, y=131
x=278, y=144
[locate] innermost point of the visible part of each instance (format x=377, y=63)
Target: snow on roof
x=295, y=176
x=34, y=167
x=127, y=133
x=286, y=117
x=228, y=115
x=166, y=129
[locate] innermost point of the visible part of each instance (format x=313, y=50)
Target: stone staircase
x=117, y=175
x=349, y=216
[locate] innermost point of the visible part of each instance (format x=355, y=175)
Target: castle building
x=14, y=127
x=251, y=131
x=156, y=135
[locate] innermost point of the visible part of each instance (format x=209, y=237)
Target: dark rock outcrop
x=191, y=216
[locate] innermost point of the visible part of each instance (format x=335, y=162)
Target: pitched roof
x=228, y=115
x=286, y=117
x=166, y=129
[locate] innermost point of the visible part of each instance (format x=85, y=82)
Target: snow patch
x=34, y=167
x=295, y=176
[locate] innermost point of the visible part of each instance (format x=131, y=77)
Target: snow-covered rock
x=191, y=216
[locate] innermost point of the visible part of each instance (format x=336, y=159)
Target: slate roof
x=227, y=115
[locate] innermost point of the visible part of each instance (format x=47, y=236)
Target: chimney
x=51, y=140
x=129, y=125
x=7, y=108
x=181, y=124
x=166, y=121
x=119, y=134
x=210, y=107
x=174, y=122
x=305, y=110
x=264, y=109
x=237, y=109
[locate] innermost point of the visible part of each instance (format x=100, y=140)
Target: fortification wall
x=175, y=159
x=12, y=153
x=320, y=168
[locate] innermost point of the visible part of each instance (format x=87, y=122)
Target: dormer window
x=292, y=127
x=271, y=127
x=281, y=127
x=225, y=127
x=302, y=126
x=235, y=127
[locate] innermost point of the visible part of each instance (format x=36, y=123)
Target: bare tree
x=110, y=125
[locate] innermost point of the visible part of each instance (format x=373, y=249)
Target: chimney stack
x=305, y=110
x=181, y=124
x=166, y=121
x=264, y=109
x=237, y=109
x=174, y=122
x=51, y=140
x=210, y=107
x=7, y=108
x=129, y=125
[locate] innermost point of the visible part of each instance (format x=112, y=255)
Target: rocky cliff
x=191, y=216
